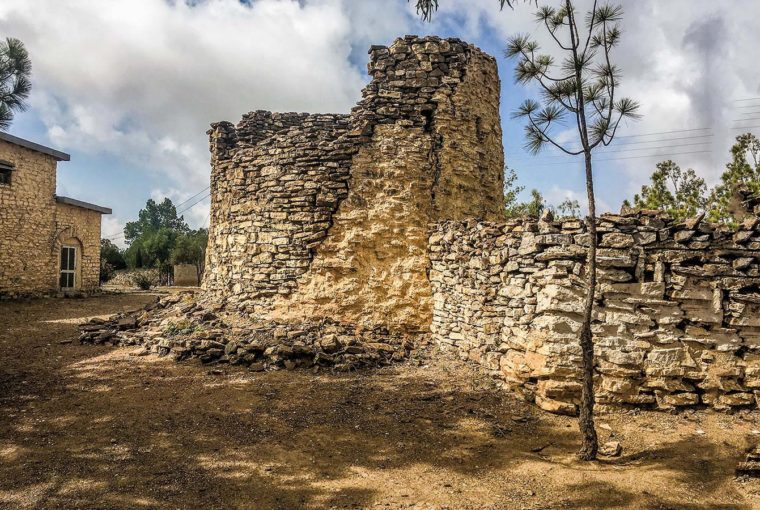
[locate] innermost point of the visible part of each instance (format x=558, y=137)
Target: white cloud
x=686, y=61
x=112, y=228
x=143, y=79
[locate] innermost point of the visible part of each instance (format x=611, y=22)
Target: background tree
x=569, y=208
x=533, y=208
x=15, y=85
x=154, y=217
x=111, y=259
x=515, y=209
x=680, y=194
x=511, y=191
x=190, y=248
x=153, y=236
x=742, y=171
x=582, y=86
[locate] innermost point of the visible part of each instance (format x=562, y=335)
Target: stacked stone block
x=322, y=215
x=677, y=317
x=34, y=226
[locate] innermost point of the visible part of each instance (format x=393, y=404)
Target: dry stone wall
x=318, y=215
x=677, y=319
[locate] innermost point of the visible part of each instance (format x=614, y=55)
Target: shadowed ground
x=93, y=427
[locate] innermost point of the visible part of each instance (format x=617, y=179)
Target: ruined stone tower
x=328, y=215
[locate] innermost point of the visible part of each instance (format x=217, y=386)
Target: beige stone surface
x=33, y=227
x=675, y=322
x=328, y=215
x=27, y=222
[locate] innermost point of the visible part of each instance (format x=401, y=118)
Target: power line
x=668, y=156
x=743, y=127
x=116, y=236
x=665, y=132
x=628, y=150
x=743, y=120
x=193, y=205
x=192, y=197
x=661, y=140
x=666, y=139
x=746, y=99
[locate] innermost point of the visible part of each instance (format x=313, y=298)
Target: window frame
x=6, y=172
x=71, y=269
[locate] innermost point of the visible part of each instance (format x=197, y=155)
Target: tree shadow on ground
x=168, y=433
x=91, y=427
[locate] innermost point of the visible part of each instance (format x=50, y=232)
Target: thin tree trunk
x=590, y=444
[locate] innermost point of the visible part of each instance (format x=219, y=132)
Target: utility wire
x=625, y=150
x=192, y=197
x=665, y=132
x=193, y=205
x=121, y=234
x=644, y=142
x=668, y=156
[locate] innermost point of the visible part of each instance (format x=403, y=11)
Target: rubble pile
x=182, y=327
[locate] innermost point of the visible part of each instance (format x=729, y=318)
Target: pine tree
x=682, y=194
x=742, y=171
x=583, y=87
x=15, y=70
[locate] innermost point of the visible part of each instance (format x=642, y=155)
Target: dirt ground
x=93, y=427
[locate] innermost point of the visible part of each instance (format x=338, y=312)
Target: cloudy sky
x=129, y=88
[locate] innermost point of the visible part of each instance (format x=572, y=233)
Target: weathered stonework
x=677, y=319
x=35, y=224
x=327, y=215
x=335, y=239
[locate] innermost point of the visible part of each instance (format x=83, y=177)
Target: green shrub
x=142, y=280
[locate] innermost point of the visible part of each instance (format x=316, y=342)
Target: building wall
x=33, y=226
x=27, y=209
x=328, y=215
x=677, y=317
x=76, y=226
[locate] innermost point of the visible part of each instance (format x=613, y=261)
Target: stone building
x=48, y=243
x=327, y=215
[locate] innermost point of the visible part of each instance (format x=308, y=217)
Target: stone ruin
x=346, y=240
x=317, y=215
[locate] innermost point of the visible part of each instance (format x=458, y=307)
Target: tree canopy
x=533, y=208
x=679, y=193
x=15, y=83
x=683, y=194
x=742, y=171
x=153, y=218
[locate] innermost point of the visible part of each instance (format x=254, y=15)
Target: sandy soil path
x=93, y=427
